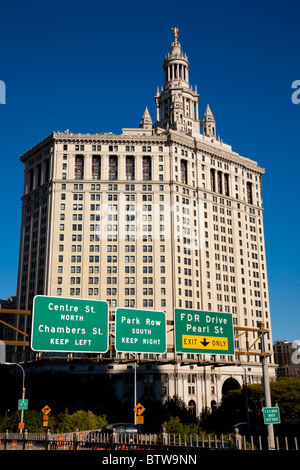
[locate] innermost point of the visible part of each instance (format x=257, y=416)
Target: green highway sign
x=197, y=331
x=271, y=415
x=23, y=404
x=73, y=325
x=140, y=331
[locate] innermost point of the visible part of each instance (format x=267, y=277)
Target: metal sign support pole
x=267, y=392
x=135, y=391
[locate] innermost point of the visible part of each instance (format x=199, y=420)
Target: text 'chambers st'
x=74, y=325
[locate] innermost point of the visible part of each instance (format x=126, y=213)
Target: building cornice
x=37, y=147
x=212, y=149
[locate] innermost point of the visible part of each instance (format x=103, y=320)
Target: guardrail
x=89, y=440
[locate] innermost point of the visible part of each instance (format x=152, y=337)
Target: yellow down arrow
x=202, y=342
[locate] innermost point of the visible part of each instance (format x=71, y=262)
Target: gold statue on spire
x=175, y=31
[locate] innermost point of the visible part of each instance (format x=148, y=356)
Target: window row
x=113, y=168
x=111, y=148
x=130, y=169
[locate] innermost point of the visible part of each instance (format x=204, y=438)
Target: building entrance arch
x=230, y=384
x=192, y=407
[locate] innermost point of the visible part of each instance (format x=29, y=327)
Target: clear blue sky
x=94, y=66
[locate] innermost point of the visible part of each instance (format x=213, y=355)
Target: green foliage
x=233, y=406
x=33, y=421
x=174, y=426
x=284, y=392
x=176, y=407
x=64, y=422
x=10, y=423
x=80, y=420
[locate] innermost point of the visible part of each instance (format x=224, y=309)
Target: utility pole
x=267, y=392
x=134, y=386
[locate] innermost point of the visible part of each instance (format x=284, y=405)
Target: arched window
x=213, y=405
x=192, y=407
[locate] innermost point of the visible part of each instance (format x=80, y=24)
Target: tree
x=63, y=422
x=284, y=392
x=233, y=405
x=33, y=421
x=81, y=420
x=176, y=407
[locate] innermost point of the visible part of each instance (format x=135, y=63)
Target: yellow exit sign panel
x=202, y=342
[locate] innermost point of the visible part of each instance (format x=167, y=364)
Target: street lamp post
x=23, y=387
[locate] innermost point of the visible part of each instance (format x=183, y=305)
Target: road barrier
x=95, y=440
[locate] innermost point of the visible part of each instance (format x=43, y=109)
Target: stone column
x=121, y=167
x=104, y=167
x=87, y=167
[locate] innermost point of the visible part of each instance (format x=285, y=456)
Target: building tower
x=209, y=124
x=146, y=122
x=177, y=103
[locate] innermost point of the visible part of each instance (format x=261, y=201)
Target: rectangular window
x=146, y=168
x=249, y=193
x=183, y=171
x=129, y=168
x=113, y=168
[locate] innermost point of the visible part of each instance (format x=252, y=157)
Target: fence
x=91, y=440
